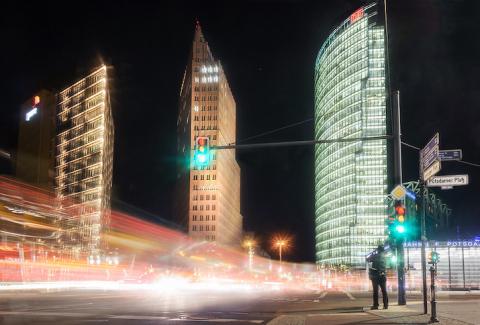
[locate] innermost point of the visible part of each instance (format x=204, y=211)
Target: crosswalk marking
x=349, y=295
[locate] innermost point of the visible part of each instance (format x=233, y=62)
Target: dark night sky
x=268, y=50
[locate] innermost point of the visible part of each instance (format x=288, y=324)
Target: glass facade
x=458, y=268
x=351, y=177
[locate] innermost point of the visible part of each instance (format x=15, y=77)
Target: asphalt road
x=202, y=307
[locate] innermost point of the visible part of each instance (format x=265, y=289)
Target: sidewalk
x=449, y=313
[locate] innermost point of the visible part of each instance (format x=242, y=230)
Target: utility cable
x=459, y=161
x=275, y=130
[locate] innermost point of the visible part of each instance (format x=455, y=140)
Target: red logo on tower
x=356, y=15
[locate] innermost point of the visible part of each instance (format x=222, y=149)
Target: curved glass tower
x=351, y=177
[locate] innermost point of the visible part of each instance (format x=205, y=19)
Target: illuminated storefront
x=351, y=177
x=459, y=266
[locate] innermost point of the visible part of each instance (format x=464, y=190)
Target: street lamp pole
x=280, y=251
x=250, y=256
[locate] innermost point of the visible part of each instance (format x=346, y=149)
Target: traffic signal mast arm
x=297, y=143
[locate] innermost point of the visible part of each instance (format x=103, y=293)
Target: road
x=151, y=307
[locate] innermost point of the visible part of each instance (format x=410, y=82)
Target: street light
x=281, y=243
x=250, y=245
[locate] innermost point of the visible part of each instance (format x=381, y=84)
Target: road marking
x=337, y=314
x=137, y=317
x=44, y=313
x=217, y=320
x=349, y=295
x=323, y=295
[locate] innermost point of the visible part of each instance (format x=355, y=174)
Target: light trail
x=140, y=255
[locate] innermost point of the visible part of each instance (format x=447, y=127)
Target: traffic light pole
x=397, y=154
x=296, y=143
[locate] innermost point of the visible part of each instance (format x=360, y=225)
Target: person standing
x=377, y=275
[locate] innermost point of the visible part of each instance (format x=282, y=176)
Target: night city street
x=280, y=162
x=157, y=307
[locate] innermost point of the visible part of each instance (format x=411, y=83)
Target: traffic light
x=400, y=225
x=433, y=257
x=202, y=151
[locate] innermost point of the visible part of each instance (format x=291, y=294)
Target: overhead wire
x=459, y=161
x=274, y=130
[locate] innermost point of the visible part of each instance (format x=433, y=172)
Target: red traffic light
x=202, y=141
x=400, y=210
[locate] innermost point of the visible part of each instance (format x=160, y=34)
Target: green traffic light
x=393, y=259
x=201, y=158
x=400, y=229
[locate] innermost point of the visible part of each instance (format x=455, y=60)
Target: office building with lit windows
x=84, y=157
x=36, y=146
x=208, y=197
x=351, y=177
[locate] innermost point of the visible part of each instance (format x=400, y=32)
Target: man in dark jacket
x=377, y=274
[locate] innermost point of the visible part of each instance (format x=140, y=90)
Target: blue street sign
x=435, y=141
x=446, y=155
x=429, y=158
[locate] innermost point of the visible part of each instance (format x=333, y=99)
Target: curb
x=288, y=320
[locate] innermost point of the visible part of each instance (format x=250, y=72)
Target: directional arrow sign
x=429, y=158
x=448, y=181
x=446, y=155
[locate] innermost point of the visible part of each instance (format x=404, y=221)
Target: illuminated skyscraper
x=84, y=157
x=351, y=178
x=36, y=145
x=208, y=198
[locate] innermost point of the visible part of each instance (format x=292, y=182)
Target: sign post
x=429, y=166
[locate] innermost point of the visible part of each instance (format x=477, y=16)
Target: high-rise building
x=36, y=145
x=351, y=177
x=208, y=197
x=84, y=158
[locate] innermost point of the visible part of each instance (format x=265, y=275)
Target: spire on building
x=198, y=32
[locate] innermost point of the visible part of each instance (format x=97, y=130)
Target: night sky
x=268, y=50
